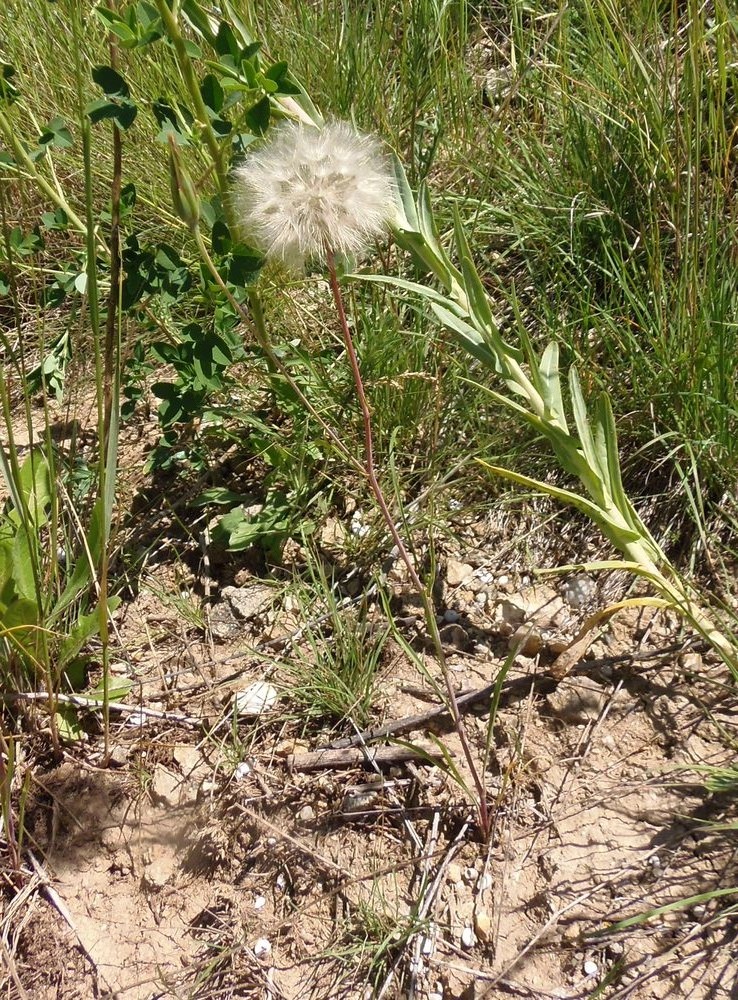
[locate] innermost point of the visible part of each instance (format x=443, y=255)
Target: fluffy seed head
x=309, y=191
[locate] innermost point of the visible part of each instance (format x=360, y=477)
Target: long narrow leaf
x=550, y=384
x=606, y=420
x=567, y=497
x=405, y=199
x=409, y=286
x=429, y=229
x=469, y=338
x=584, y=430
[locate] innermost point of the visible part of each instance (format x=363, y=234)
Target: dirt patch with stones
x=203, y=861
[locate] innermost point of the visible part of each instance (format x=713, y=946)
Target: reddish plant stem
x=401, y=548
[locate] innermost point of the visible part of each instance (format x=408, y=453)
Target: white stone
x=255, y=699
x=262, y=947
x=590, y=968
x=468, y=938
x=457, y=572
x=137, y=719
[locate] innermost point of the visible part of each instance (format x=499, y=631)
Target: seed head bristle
x=310, y=191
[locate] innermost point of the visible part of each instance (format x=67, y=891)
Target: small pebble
x=242, y=771
x=453, y=873
x=119, y=755
x=137, y=719
x=262, y=947
x=358, y=527
x=450, y=616
x=260, y=902
x=306, y=814
x=468, y=938
x=590, y=968
x=481, y=597
x=699, y=911
x=579, y=590
x=281, y=882
x=470, y=875
x=483, y=925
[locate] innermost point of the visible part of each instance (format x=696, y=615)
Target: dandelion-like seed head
x=310, y=192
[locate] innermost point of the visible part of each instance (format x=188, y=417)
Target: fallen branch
x=362, y=757
x=543, y=683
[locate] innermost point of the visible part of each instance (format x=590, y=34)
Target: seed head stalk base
x=376, y=489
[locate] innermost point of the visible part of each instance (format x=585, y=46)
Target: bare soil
x=200, y=861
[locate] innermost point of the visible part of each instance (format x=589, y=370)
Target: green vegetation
x=581, y=165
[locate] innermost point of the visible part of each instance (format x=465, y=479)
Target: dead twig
x=361, y=756
x=83, y=701
x=543, y=683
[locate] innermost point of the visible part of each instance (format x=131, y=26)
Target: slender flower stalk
x=313, y=194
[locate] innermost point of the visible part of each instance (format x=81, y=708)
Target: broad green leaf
x=21, y=614
x=7, y=582
x=238, y=23
x=35, y=488
x=56, y=134
x=66, y=720
x=121, y=110
x=478, y=302
x=218, y=495
x=257, y=117
x=212, y=93
x=276, y=71
x=118, y=688
x=110, y=81
x=243, y=265
x=528, y=353
x=84, y=629
x=116, y=26
x=426, y=291
x=470, y=338
x=206, y=27
x=429, y=230
x=82, y=573
x=8, y=91
x=606, y=421
x=226, y=43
